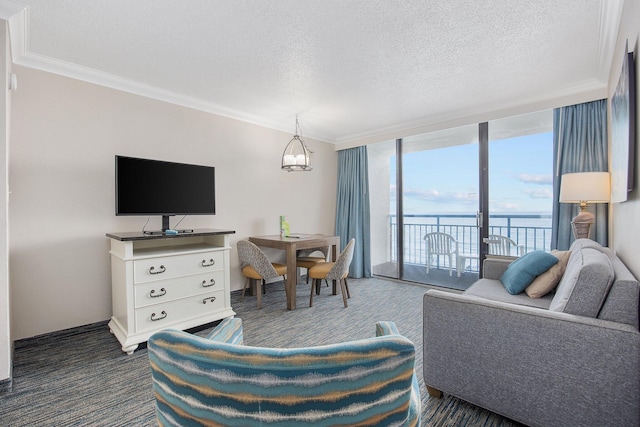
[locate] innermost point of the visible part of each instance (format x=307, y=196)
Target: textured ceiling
x=351, y=69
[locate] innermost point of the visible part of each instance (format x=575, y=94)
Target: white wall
x=625, y=232
x=5, y=328
x=65, y=134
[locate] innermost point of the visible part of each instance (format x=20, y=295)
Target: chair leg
x=344, y=292
x=246, y=282
x=434, y=392
x=346, y=285
x=313, y=285
x=259, y=294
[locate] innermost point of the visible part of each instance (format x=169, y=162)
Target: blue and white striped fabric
x=200, y=381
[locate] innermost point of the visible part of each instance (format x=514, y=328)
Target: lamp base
x=581, y=225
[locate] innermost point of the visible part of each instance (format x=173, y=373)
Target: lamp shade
x=592, y=187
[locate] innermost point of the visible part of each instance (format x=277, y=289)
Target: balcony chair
x=338, y=270
x=219, y=381
x=257, y=268
x=502, y=245
x=441, y=244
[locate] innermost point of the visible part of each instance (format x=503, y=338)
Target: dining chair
x=306, y=258
x=441, y=244
x=338, y=270
x=502, y=245
x=257, y=267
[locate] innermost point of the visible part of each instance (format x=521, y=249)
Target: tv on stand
x=146, y=187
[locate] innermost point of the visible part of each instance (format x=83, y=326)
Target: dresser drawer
x=151, y=269
x=162, y=291
x=163, y=315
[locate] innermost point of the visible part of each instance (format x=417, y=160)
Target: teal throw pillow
x=522, y=271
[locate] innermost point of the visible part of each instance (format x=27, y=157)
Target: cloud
x=441, y=197
x=535, y=179
x=539, y=193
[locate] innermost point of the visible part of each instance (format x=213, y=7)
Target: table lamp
x=583, y=188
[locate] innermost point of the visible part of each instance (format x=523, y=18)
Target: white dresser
x=159, y=281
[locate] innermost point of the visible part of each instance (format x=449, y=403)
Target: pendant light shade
x=296, y=156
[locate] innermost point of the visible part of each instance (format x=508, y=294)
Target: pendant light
x=296, y=155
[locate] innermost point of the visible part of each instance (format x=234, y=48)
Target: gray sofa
x=570, y=358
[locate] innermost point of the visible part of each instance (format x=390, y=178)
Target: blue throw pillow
x=522, y=271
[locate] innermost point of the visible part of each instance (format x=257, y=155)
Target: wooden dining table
x=291, y=245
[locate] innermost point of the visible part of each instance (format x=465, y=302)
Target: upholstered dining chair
x=216, y=380
x=306, y=259
x=338, y=271
x=441, y=244
x=256, y=267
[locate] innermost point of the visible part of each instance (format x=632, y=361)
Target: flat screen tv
x=152, y=187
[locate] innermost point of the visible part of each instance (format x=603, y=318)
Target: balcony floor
x=436, y=276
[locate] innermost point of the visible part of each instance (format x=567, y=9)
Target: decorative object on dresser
x=584, y=188
x=178, y=281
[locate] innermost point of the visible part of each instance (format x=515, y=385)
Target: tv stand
x=167, y=281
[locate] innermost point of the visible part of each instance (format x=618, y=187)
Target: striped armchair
x=218, y=381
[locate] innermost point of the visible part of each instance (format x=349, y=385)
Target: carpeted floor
x=81, y=377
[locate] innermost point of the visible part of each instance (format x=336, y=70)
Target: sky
x=445, y=180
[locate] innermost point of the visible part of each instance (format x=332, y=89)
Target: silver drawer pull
x=154, y=295
x=211, y=262
x=161, y=270
x=162, y=316
x=211, y=283
x=210, y=299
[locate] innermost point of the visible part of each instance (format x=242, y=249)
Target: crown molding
x=586, y=91
x=611, y=11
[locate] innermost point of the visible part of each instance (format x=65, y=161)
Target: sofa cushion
x=522, y=271
x=492, y=289
x=547, y=281
x=585, y=283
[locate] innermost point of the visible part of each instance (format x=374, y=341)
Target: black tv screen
x=154, y=187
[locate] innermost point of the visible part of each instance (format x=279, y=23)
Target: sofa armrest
x=228, y=331
x=494, y=266
x=534, y=366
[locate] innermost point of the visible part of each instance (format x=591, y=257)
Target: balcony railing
x=531, y=231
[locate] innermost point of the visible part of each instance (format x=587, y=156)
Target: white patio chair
x=441, y=244
x=502, y=245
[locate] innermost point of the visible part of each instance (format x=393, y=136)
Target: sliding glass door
x=469, y=184
x=520, y=183
x=440, y=202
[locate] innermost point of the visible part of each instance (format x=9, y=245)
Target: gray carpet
x=81, y=377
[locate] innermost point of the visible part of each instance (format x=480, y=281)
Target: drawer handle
x=204, y=283
x=153, y=293
x=162, y=316
x=161, y=270
x=210, y=299
x=211, y=262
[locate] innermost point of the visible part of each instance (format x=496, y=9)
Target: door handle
x=478, y=219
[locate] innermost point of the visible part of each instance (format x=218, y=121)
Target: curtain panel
x=352, y=208
x=579, y=145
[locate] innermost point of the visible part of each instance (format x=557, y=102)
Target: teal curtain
x=579, y=145
x=352, y=208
